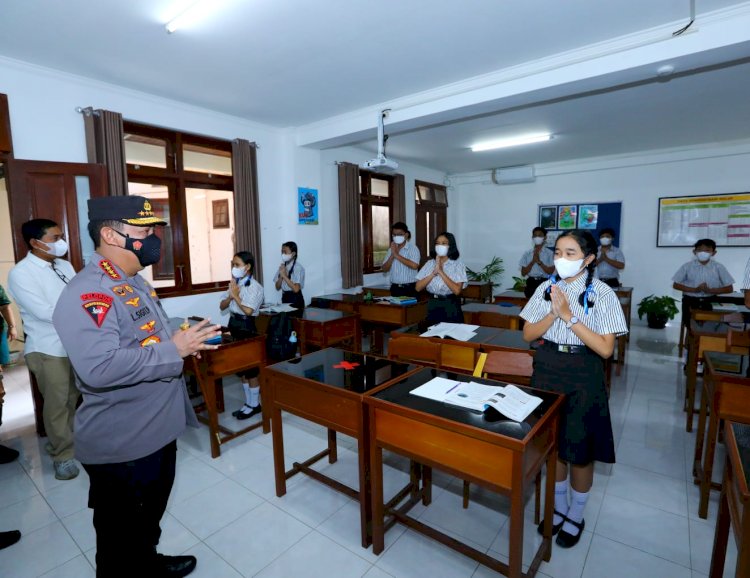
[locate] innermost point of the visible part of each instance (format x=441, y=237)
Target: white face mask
x=238, y=272
x=703, y=256
x=398, y=239
x=566, y=269
x=538, y=240
x=286, y=257
x=57, y=249
x=441, y=250
x=605, y=241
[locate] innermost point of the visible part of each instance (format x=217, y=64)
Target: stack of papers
x=458, y=331
x=280, y=308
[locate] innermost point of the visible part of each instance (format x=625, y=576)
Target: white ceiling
x=298, y=63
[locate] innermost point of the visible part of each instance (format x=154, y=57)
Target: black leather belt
x=403, y=285
x=565, y=348
x=444, y=297
x=238, y=316
x=539, y=278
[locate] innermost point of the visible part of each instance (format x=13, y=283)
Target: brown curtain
x=246, y=205
x=399, y=199
x=105, y=145
x=350, y=223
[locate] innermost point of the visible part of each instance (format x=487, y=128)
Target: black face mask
x=147, y=250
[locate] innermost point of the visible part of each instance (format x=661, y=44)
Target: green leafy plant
x=490, y=272
x=663, y=306
x=519, y=283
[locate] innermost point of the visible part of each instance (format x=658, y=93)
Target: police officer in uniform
x=128, y=366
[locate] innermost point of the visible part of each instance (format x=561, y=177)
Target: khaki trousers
x=57, y=386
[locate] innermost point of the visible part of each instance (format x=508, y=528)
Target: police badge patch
x=97, y=305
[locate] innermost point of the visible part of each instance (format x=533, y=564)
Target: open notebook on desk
x=459, y=331
x=509, y=400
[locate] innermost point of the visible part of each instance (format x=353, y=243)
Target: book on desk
x=402, y=300
x=458, y=331
x=509, y=400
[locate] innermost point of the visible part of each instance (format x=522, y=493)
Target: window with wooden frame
x=376, y=208
x=185, y=176
x=431, y=215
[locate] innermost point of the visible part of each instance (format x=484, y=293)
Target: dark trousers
x=295, y=300
x=129, y=500
x=613, y=282
x=531, y=284
x=446, y=309
x=404, y=290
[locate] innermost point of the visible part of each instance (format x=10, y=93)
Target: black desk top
x=356, y=372
x=398, y=393
x=484, y=334
x=498, y=308
x=731, y=364
x=345, y=297
x=320, y=315
x=742, y=435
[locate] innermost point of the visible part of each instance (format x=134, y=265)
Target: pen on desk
x=452, y=388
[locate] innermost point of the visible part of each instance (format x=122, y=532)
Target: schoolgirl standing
x=243, y=299
x=290, y=278
x=444, y=277
x=577, y=318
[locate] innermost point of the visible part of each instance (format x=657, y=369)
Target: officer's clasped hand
x=192, y=341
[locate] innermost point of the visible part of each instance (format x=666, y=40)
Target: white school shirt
x=547, y=257
x=298, y=276
x=694, y=273
x=604, y=318
x=400, y=273
x=606, y=271
x=455, y=270
x=251, y=295
x=35, y=288
x=746, y=280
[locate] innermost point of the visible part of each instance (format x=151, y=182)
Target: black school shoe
x=565, y=539
x=7, y=455
x=175, y=565
x=253, y=411
x=9, y=538
x=239, y=411
x=555, y=527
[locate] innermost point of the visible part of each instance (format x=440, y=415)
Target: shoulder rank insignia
x=109, y=269
x=122, y=290
x=97, y=306
x=150, y=340
x=149, y=326
x=133, y=301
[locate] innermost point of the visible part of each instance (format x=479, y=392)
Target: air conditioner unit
x=513, y=175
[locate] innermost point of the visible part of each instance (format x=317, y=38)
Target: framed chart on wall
x=592, y=217
x=724, y=218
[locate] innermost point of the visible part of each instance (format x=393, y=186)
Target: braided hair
x=587, y=243
x=292, y=246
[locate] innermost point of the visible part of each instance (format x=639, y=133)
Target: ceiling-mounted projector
x=381, y=164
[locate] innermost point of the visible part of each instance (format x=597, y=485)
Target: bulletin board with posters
x=591, y=217
x=723, y=218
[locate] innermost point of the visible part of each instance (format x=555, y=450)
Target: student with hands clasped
x=575, y=318
x=536, y=264
x=444, y=277
x=290, y=278
x=402, y=262
x=609, y=260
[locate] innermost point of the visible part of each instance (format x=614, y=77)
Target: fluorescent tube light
x=193, y=13
x=510, y=142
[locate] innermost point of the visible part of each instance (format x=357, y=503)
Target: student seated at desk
x=444, y=277
x=402, y=262
x=290, y=278
x=536, y=264
x=577, y=318
x=244, y=298
x=609, y=260
x=700, y=279
x=746, y=284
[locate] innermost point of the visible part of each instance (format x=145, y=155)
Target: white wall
x=497, y=220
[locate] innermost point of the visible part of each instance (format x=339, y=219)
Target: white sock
x=254, y=396
x=577, y=505
x=561, y=500
x=248, y=394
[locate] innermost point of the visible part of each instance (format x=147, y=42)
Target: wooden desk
x=503, y=456
x=734, y=506
x=492, y=315
x=231, y=357
x=725, y=395
x=338, y=301
x=323, y=328
x=703, y=336
x=378, y=290
x=326, y=387
x=478, y=291
x=513, y=297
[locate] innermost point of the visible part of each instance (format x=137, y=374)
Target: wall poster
x=307, y=201
x=723, y=218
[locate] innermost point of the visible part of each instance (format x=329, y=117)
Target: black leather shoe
x=176, y=565
x=567, y=540
x=555, y=527
x=7, y=455
x=239, y=411
x=9, y=538
x=253, y=411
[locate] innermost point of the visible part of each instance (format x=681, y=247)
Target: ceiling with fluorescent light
x=296, y=63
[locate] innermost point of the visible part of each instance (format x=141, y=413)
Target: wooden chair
x=738, y=341
x=213, y=365
x=458, y=356
x=414, y=349
x=509, y=366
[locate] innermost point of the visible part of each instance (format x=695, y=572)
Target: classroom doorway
x=431, y=215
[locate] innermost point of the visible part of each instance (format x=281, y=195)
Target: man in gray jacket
x=128, y=366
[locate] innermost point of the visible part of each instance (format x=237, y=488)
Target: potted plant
x=519, y=284
x=658, y=310
x=489, y=273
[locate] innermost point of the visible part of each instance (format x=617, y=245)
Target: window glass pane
x=441, y=196
x=379, y=187
x=381, y=237
x=162, y=273
x=83, y=192
x=425, y=193
x=206, y=160
x=210, y=216
x=145, y=151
